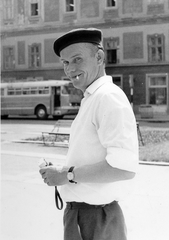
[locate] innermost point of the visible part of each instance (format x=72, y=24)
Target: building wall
x=139, y=73
x=133, y=45
x=130, y=23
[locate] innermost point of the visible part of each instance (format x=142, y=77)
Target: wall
x=131, y=21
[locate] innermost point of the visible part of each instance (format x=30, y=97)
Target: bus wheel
x=41, y=113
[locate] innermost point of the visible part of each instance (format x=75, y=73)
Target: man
x=103, y=151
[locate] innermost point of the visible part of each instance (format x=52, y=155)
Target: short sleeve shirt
x=103, y=130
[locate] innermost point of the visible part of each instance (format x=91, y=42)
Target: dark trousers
x=91, y=222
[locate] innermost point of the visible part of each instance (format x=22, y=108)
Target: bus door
x=56, y=97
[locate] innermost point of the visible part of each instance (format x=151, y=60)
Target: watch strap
x=71, y=170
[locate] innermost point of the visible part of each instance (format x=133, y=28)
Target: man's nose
x=70, y=68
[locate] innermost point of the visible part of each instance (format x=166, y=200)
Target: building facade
x=136, y=42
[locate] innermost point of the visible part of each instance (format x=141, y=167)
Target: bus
x=40, y=98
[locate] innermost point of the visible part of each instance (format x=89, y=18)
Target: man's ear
x=100, y=56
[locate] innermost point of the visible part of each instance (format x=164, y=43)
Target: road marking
x=27, y=132
x=32, y=154
x=6, y=132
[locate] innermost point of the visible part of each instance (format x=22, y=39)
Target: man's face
x=80, y=64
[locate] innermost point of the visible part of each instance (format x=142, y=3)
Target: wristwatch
x=71, y=175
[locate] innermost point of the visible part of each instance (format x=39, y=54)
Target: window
x=18, y=91
x=2, y=92
x=28, y=91
x=155, y=1
x=8, y=10
x=43, y=90
x=34, y=90
x=157, y=89
x=112, y=50
x=111, y=3
x=9, y=59
x=70, y=6
x=11, y=91
x=34, y=55
x=111, y=56
x=156, y=48
x=34, y=8
x=117, y=79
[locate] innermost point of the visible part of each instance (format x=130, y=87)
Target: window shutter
x=13, y=57
x=29, y=57
x=163, y=47
x=40, y=52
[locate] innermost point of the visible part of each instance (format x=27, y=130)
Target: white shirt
x=104, y=129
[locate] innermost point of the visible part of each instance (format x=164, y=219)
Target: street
x=28, y=209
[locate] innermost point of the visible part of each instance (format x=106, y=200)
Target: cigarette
x=43, y=163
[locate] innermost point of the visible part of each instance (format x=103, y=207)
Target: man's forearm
x=101, y=172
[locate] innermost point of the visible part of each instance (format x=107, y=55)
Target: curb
x=55, y=144
x=151, y=120
x=166, y=164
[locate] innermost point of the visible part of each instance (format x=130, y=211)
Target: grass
x=156, y=145
x=155, y=149
x=50, y=138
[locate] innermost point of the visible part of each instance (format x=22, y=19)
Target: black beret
x=89, y=35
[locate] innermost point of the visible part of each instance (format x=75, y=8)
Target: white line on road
x=38, y=155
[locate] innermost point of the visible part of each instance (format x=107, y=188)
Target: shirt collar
x=96, y=84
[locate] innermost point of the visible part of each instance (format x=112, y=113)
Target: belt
x=82, y=205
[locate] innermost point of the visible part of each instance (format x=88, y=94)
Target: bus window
x=75, y=95
x=65, y=90
x=18, y=91
x=46, y=90
x=40, y=90
x=26, y=91
x=43, y=90
x=34, y=90
x=11, y=91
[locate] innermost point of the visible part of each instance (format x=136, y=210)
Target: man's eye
x=77, y=60
x=65, y=63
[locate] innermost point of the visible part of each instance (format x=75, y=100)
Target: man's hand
x=53, y=176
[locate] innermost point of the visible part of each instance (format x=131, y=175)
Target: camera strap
x=58, y=199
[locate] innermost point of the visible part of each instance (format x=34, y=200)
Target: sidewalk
x=29, y=212
x=156, y=118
